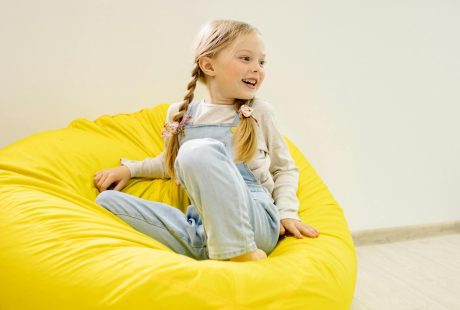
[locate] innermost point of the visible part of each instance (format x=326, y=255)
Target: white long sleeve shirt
x=272, y=165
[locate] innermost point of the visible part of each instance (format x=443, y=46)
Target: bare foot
x=249, y=256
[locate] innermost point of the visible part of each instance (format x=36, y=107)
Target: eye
x=247, y=58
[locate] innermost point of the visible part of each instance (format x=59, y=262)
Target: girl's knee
x=196, y=151
x=107, y=197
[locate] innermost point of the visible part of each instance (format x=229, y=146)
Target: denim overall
x=230, y=212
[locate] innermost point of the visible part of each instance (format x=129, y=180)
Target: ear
x=206, y=65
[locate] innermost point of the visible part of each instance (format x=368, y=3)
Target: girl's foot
x=249, y=256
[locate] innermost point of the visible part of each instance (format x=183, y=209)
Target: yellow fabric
x=60, y=250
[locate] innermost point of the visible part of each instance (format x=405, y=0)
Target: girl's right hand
x=118, y=176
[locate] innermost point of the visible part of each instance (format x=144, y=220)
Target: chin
x=247, y=97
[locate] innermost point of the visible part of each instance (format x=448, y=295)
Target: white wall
x=368, y=90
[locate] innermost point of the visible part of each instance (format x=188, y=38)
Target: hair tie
x=174, y=128
x=246, y=111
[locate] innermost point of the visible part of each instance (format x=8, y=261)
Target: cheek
x=262, y=76
x=239, y=70
x=232, y=71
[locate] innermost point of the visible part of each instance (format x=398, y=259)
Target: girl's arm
x=152, y=167
x=116, y=178
x=286, y=178
x=282, y=166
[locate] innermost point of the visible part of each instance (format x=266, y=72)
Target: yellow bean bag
x=60, y=250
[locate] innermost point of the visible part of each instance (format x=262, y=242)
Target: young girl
x=227, y=153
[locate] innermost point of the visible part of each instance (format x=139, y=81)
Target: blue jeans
x=230, y=213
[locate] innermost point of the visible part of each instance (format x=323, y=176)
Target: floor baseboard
x=394, y=234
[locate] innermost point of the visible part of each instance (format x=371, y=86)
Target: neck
x=210, y=98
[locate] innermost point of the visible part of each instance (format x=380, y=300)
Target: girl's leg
x=182, y=233
x=236, y=220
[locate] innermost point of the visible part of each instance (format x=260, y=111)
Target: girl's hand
x=297, y=228
x=118, y=176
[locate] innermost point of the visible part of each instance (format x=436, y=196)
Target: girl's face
x=237, y=71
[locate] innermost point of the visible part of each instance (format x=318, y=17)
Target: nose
x=256, y=68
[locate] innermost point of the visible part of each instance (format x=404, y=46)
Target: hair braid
x=173, y=143
x=244, y=140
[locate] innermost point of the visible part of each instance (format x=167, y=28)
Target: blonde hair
x=214, y=37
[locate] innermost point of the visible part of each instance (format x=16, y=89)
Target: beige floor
x=414, y=274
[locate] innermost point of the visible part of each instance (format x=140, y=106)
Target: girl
x=227, y=153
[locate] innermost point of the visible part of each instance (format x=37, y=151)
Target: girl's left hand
x=297, y=228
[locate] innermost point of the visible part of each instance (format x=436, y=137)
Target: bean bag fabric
x=60, y=250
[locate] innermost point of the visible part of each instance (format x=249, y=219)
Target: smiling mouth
x=250, y=82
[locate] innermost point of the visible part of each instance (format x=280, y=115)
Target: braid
x=173, y=143
x=245, y=139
